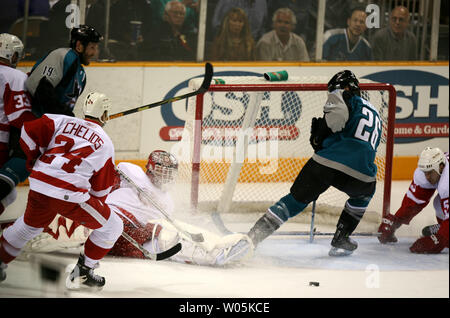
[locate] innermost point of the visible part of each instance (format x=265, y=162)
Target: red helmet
x=161, y=167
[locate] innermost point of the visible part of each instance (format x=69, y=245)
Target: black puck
x=314, y=284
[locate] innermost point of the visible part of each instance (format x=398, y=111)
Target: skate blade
x=77, y=285
x=235, y=254
x=334, y=251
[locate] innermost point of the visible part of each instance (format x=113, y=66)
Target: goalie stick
x=203, y=88
x=156, y=257
x=196, y=237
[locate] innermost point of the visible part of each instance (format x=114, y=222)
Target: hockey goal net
x=245, y=140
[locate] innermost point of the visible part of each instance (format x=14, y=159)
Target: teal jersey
x=352, y=150
x=62, y=67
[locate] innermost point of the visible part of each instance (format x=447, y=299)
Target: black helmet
x=343, y=79
x=85, y=34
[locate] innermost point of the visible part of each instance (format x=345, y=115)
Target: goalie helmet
x=161, y=167
x=9, y=45
x=84, y=34
x=431, y=159
x=344, y=79
x=95, y=105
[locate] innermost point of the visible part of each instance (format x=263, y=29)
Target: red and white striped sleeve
x=416, y=198
x=35, y=135
x=103, y=180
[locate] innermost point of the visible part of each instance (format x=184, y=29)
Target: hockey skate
x=236, y=252
x=3, y=267
x=342, y=244
x=430, y=229
x=83, y=277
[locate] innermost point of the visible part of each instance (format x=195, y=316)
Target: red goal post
x=206, y=174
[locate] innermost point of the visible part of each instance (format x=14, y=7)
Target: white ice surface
x=282, y=267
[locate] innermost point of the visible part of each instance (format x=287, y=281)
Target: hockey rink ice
x=282, y=267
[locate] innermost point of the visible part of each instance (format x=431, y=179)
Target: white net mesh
x=248, y=161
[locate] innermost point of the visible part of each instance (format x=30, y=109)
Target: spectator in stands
x=281, y=44
x=302, y=10
x=348, y=44
x=190, y=21
x=336, y=13
x=170, y=42
x=256, y=12
x=129, y=25
x=395, y=42
x=234, y=41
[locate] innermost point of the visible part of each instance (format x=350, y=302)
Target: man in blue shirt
x=345, y=141
x=58, y=79
x=348, y=44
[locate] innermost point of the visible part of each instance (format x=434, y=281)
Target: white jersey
x=74, y=157
x=14, y=100
x=127, y=198
x=441, y=201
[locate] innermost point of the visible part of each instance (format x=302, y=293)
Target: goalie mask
x=431, y=159
x=9, y=45
x=95, y=106
x=161, y=167
x=344, y=79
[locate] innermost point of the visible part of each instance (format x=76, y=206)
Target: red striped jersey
x=15, y=106
x=74, y=158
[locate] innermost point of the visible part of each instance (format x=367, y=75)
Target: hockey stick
x=312, y=229
x=322, y=233
x=156, y=257
x=203, y=88
x=196, y=237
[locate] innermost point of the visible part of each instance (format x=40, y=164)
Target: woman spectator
x=234, y=41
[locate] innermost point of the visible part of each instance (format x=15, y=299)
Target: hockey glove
x=433, y=244
x=387, y=229
x=319, y=131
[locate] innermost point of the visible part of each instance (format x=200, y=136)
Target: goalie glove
x=433, y=244
x=387, y=229
x=319, y=131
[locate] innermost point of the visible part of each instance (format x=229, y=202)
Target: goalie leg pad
x=214, y=250
x=61, y=234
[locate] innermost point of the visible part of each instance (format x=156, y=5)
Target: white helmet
x=430, y=159
x=9, y=45
x=95, y=105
